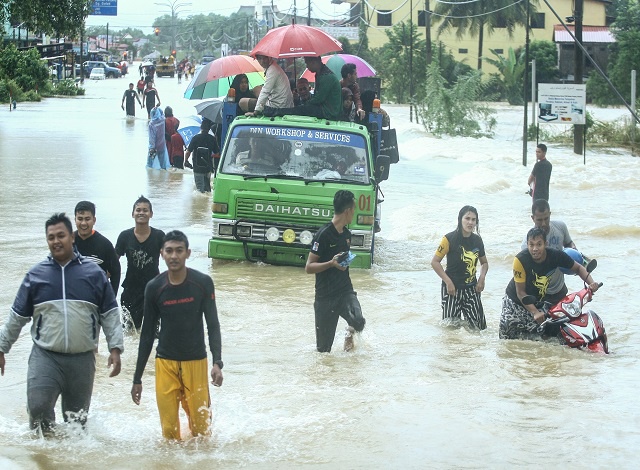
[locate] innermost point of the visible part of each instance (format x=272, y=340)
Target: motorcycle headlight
x=573, y=309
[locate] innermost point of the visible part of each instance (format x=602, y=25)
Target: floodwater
x=414, y=394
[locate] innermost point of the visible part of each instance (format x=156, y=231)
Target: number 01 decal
x=364, y=203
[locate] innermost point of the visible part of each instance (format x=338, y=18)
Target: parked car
x=97, y=73
x=109, y=72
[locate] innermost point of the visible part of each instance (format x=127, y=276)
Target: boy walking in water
x=179, y=298
x=335, y=296
x=141, y=245
x=93, y=245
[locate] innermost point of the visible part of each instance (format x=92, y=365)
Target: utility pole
x=411, y=61
x=525, y=126
x=309, y=14
x=427, y=33
x=107, y=45
x=578, y=130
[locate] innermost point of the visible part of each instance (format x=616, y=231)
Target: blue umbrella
x=189, y=126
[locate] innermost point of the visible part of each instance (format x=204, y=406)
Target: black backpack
x=202, y=160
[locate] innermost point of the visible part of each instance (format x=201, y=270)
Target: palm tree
x=474, y=18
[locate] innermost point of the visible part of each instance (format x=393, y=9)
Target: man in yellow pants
x=179, y=298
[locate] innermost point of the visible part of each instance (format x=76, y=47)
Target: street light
x=175, y=7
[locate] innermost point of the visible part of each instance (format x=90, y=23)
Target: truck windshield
x=309, y=154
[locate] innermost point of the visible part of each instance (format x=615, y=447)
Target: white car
x=97, y=73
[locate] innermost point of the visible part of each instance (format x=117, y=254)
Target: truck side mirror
x=382, y=168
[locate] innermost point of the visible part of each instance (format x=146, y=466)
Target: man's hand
x=538, y=316
x=114, y=360
x=2, y=363
x=216, y=376
x=250, y=114
x=480, y=285
x=361, y=113
x=594, y=286
x=136, y=393
x=122, y=106
x=336, y=264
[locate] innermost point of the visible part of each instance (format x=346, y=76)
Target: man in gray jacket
x=69, y=299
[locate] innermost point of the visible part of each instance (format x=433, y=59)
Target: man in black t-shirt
x=93, y=245
x=204, y=163
x=141, y=244
x=541, y=174
x=179, y=299
x=335, y=296
x=532, y=270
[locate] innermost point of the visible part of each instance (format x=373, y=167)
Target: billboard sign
x=562, y=103
x=104, y=8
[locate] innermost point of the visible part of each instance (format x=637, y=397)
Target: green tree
x=545, y=53
x=511, y=71
x=391, y=61
x=482, y=16
x=454, y=110
x=55, y=17
x=25, y=67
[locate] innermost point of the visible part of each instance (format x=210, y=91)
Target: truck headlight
x=365, y=219
x=272, y=234
x=306, y=237
x=243, y=230
x=224, y=229
x=220, y=207
x=357, y=240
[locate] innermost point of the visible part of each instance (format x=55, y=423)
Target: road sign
x=105, y=8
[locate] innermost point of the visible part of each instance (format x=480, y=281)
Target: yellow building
x=381, y=15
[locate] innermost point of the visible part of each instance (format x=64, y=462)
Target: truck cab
x=276, y=180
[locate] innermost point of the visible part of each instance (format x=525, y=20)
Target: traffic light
x=156, y=31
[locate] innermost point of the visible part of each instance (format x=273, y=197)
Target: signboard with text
x=104, y=8
x=561, y=103
x=349, y=32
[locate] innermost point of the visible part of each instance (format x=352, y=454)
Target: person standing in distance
x=130, y=96
x=460, y=289
x=204, y=163
x=93, y=245
x=179, y=298
x=540, y=175
x=141, y=245
x=66, y=298
x=335, y=296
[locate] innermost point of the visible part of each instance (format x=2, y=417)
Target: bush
x=10, y=89
x=454, y=111
x=32, y=95
x=66, y=88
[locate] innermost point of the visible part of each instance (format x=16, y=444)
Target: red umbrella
x=296, y=41
x=229, y=66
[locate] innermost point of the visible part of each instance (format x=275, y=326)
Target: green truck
x=276, y=180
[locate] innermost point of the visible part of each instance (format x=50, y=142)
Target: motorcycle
x=579, y=327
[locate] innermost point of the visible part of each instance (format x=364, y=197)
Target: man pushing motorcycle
x=557, y=237
x=533, y=269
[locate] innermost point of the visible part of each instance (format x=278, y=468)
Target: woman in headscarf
x=241, y=85
x=158, y=157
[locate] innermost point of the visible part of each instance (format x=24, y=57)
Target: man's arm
x=538, y=315
x=270, y=78
x=314, y=265
x=113, y=267
x=436, y=264
x=215, y=339
x=585, y=276
x=148, y=333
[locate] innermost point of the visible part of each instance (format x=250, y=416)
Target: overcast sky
x=141, y=13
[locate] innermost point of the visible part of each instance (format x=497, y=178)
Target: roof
x=590, y=34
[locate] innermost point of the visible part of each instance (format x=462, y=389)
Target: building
x=381, y=15
x=595, y=39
